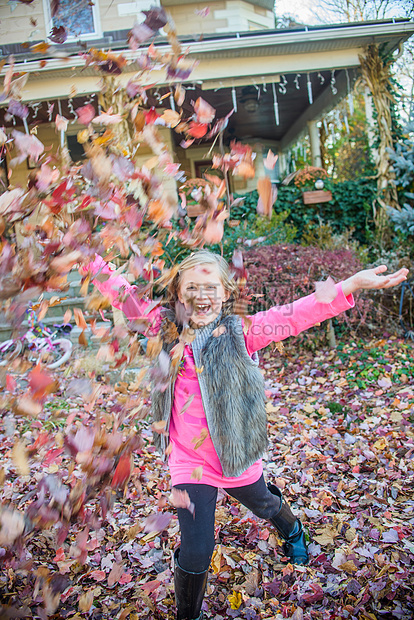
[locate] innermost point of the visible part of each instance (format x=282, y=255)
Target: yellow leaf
x=83, y=136
x=309, y=408
x=197, y=473
x=216, y=560
x=235, y=599
x=40, y=48
x=154, y=346
x=19, y=456
x=381, y=444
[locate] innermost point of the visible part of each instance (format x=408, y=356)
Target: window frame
x=82, y=37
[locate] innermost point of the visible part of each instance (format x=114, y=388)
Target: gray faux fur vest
x=232, y=391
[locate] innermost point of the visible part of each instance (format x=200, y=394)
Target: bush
x=282, y=273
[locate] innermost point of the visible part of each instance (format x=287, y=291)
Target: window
x=78, y=17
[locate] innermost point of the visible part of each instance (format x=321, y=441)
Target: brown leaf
x=186, y=404
x=159, y=427
x=79, y=318
x=64, y=263
x=154, y=347
x=86, y=600
x=27, y=406
x=82, y=339
x=198, y=441
x=115, y=574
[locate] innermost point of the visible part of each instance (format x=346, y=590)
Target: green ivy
x=350, y=207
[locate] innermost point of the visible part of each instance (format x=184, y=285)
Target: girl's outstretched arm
x=121, y=293
x=372, y=279
x=280, y=322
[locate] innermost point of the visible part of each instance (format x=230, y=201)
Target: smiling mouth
x=202, y=308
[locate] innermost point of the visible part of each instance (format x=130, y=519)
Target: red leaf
x=125, y=578
x=151, y=116
x=197, y=130
x=316, y=596
x=85, y=114
x=40, y=383
x=122, y=472
x=11, y=383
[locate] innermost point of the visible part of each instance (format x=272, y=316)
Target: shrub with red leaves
x=279, y=274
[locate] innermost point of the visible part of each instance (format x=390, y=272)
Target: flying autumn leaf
x=122, y=472
x=264, y=187
x=181, y=499
x=213, y=231
x=157, y=522
x=41, y=383
x=270, y=160
x=85, y=114
x=196, y=129
x=198, y=441
x=205, y=113
x=197, y=473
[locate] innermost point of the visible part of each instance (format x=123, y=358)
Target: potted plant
x=311, y=180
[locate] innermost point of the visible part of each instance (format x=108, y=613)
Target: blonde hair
x=205, y=257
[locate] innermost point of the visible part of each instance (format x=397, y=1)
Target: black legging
x=197, y=531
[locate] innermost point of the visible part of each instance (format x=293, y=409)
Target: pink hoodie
x=193, y=457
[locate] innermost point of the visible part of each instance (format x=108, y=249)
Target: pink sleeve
x=122, y=294
x=280, y=322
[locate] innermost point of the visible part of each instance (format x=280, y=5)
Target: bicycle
x=39, y=343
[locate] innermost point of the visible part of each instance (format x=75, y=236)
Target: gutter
x=238, y=42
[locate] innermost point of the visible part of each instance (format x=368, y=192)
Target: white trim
x=237, y=43
x=81, y=37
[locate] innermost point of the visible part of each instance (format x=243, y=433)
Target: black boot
x=290, y=529
x=189, y=591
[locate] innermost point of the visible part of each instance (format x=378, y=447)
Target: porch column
x=315, y=144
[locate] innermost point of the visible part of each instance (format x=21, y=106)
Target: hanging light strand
x=172, y=102
x=350, y=97
x=234, y=98
x=333, y=82
x=62, y=132
x=310, y=94
x=275, y=104
x=282, y=85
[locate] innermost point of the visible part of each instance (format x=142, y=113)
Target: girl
x=212, y=400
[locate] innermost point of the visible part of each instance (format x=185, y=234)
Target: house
x=279, y=82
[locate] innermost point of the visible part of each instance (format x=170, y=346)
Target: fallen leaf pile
x=341, y=449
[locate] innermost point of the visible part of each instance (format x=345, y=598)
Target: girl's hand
x=371, y=279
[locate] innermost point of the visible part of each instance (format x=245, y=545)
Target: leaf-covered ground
x=341, y=447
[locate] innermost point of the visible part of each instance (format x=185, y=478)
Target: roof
x=237, y=60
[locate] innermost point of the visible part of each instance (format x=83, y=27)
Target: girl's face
x=202, y=293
